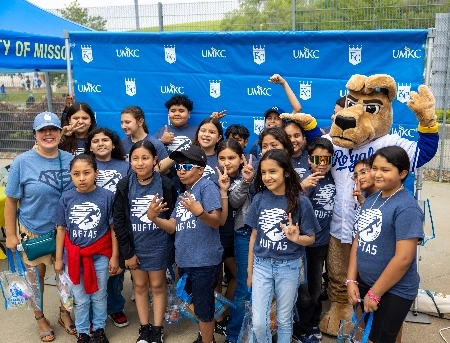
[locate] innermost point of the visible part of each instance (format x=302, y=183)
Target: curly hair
x=182, y=100
x=117, y=152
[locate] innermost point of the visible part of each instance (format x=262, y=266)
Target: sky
x=53, y=4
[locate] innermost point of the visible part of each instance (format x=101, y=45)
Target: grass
x=209, y=25
x=16, y=97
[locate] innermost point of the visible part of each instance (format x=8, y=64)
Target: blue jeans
x=97, y=300
x=308, y=304
x=241, y=294
x=281, y=277
x=116, y=301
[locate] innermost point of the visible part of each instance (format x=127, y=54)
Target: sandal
x=71, y=329
x=47, y=336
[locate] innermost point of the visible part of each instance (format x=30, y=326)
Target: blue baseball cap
x=275, y=109
x=44, y=119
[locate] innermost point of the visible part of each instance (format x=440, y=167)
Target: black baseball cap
x=193, y=154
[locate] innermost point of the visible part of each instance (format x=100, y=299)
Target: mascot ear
x=385, y=83
x=356, y=83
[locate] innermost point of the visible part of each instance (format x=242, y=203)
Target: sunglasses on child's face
x=318, y=160
x=185, y=166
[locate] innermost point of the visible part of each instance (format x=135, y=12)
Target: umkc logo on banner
x=407, y=53
x=127, y=52
x=172, y=89
x=215, y=53
x=306, y=53
x=88, y=88
x=259, y=91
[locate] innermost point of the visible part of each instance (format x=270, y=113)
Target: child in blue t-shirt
x=133, y=124
x=277, y=216
x=179, y=133
x=105, y=145
x=195, y=221
x=86, y=245
x=234, y=185
x=382, y=268
x=300, y=155
x=146, y=248
x=208, y=136
x=320, y=189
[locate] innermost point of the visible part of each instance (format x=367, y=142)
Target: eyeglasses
x=361, y=173
x=325, y=160
x=186, y=166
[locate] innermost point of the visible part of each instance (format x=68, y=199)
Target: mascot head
x=368, y=111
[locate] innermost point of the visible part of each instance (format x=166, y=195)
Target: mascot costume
x=358, y=130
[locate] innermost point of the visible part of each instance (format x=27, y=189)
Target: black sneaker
x=99, y=336
x=145, y=334
x=157, y=334
x=199, y=338
x=83, y=338
x=221, y=327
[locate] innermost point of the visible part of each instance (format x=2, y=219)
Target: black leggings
x=389, y=317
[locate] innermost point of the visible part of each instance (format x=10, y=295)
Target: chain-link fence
x=272, y=15
x=23, y=95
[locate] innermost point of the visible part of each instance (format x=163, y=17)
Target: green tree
x=80, y=15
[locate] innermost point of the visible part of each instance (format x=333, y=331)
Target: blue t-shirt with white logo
x=383, y=222
x=266, y=213
x=81, y=142
x=322, y=199
x=301, y=165
x=227, y=230
x=152, y=245
x=196, y=244
x=86, y=216
x=38, y=182
x=160, y=148
x=210, y=171
x=110, y=172
x=183, y=136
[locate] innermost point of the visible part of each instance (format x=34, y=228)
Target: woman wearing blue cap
x=36, y=181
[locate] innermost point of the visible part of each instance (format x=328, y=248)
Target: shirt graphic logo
x=139, y=207
x=403, y=91
x=369, y=224
x=259, y=54
x=169, y=54
x=270, y=223
x=182, y=213
x=52, y=178
x=214, y=88
x=305, y=53
x=258, y=124
x=208, y=172
x=179, y=143
x=127, y=52
x=108, y=179
x=406, y=53
x=325, y=198
x=130, y=86
x=355, y=54
x=305, y=90
x=86, y=53
x=300, y=171
x=86, y=216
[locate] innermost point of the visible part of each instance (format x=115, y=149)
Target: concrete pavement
x=19, y=326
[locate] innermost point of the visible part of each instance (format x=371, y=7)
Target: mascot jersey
x=419, y=153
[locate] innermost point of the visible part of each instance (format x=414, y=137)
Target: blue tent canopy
x=31, y=38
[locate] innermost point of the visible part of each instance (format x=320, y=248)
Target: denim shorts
x=201, y=283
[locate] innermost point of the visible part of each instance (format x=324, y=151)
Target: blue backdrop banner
x=224, y=70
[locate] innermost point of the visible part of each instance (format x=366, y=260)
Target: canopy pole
x=69, y=67
x=48, y=88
